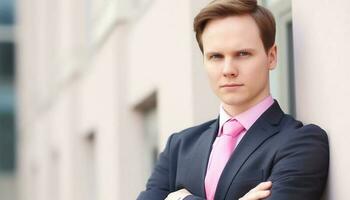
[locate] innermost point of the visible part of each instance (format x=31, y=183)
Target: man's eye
x=243, y=54
x=214, y=57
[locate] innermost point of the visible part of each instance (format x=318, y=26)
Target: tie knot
x=232, y=128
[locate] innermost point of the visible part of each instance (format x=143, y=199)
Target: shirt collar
x=248, y=117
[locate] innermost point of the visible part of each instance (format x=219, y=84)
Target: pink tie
x=221, y=152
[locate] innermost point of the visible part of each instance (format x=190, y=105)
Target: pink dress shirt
x=246, y=118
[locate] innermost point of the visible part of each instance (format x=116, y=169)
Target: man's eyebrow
x=245, y=49
x=211, y=53
x=234, y=51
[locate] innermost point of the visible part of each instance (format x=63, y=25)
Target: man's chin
x=234, y=101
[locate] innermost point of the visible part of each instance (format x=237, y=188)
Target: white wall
x=321, y=32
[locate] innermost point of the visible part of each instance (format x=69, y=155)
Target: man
x=253, y=150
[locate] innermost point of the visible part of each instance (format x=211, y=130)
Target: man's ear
x=272, y=57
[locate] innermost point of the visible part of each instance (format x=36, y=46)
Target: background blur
x=90, y=90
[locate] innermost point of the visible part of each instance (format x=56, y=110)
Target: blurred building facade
x=7, y=101
x=101, y=84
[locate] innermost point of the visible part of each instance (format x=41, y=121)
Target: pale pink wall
x=321, y=42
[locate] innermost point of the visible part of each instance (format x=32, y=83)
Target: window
x=7, y=122
x=148, y=112
x=89, y=175
x=6, y=12
x=151, y=135
x=7, y=115
x=282, y=78
x=7, y=59
x=7, y=99
x=7, y=141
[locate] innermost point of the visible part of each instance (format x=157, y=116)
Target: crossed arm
x=261, y=191
x=299, y=172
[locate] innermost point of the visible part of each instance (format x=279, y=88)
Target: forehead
x=232, y=32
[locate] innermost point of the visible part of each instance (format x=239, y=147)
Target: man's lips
x=231, y=85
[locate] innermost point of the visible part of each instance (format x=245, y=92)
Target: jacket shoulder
x=194, y=131
x=290, y=124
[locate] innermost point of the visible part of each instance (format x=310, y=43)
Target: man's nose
x=230, y=68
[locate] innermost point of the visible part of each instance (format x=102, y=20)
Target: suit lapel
x=199, y=159
x=262, y=129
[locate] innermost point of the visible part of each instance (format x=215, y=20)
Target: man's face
x=236, y=61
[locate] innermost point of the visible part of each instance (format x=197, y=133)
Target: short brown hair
x=218, y=9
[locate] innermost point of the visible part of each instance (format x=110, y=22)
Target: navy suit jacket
x=277, y=147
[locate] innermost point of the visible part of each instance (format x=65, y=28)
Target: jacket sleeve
x=192, y=197
x=301, y=166
x=158, y=185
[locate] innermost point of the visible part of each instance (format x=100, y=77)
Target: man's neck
x=234, y=110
